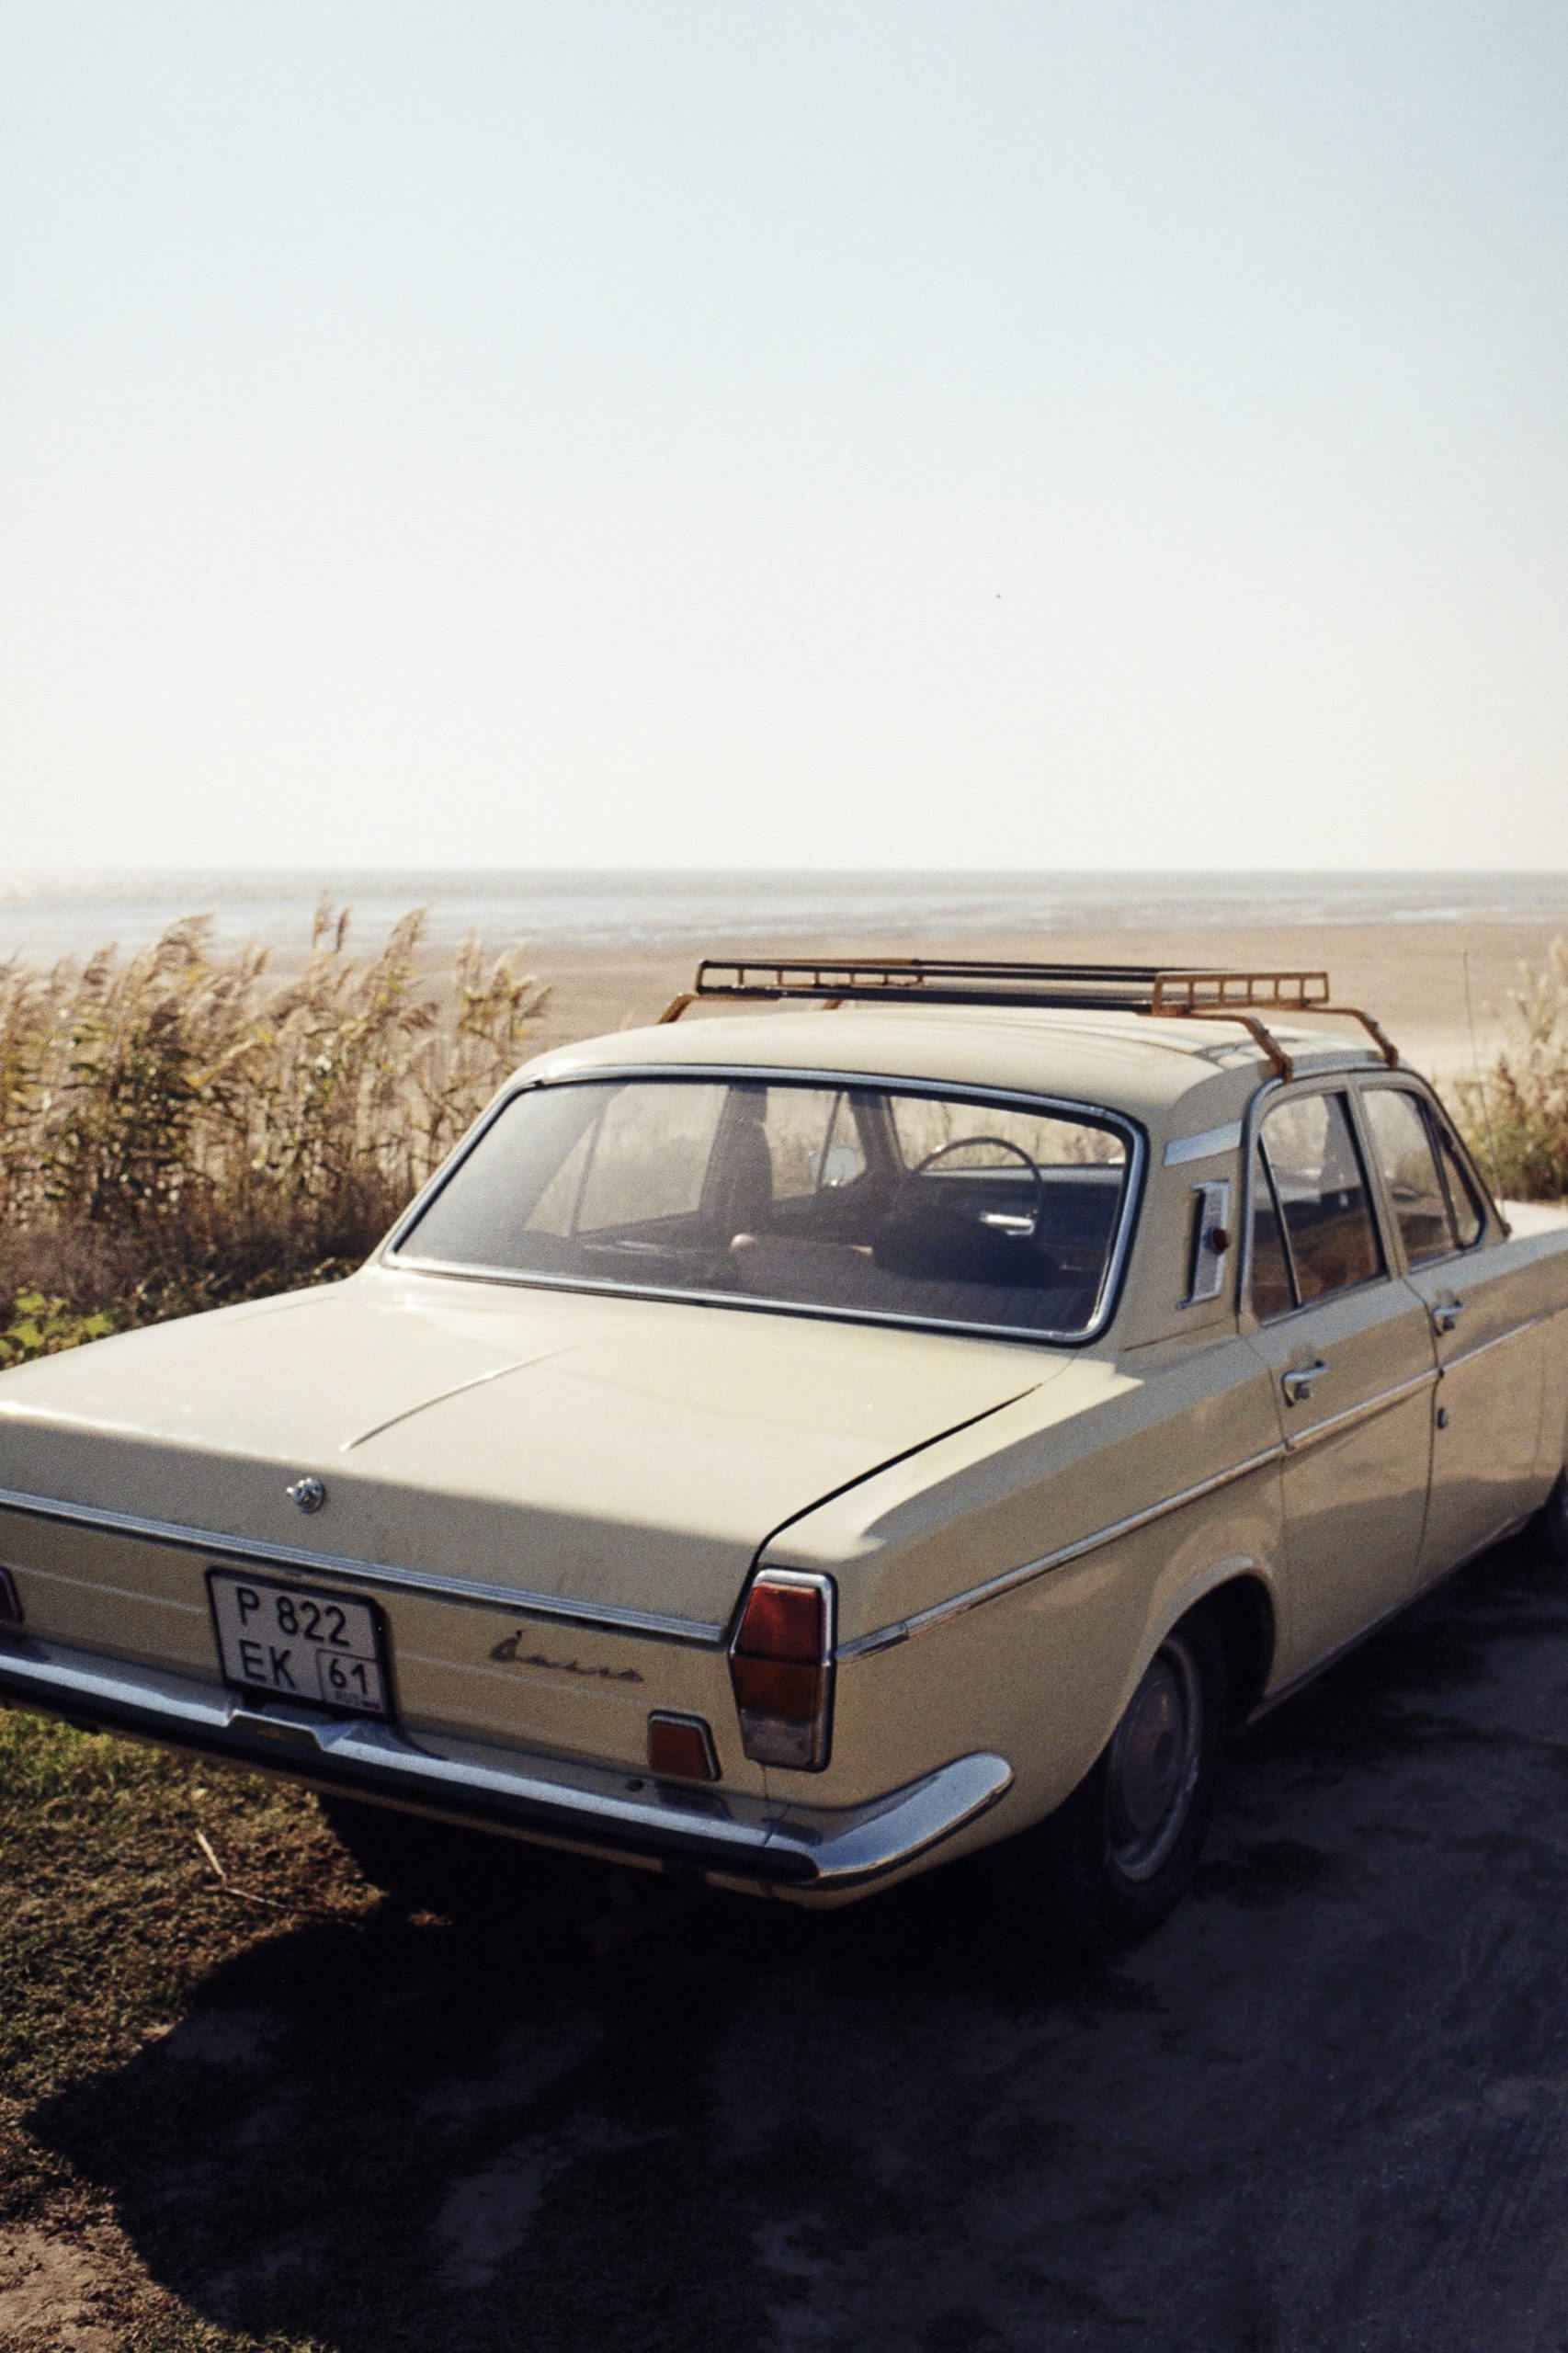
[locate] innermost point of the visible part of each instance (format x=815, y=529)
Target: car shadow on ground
x=1328, y=2104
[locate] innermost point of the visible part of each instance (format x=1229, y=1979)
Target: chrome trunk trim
x=606, y=1616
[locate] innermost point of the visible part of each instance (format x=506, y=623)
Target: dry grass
x=114, y=1923
x=1516, y=1114
x=180, y=1128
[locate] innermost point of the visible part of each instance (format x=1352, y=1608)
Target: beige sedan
x=800, y=1447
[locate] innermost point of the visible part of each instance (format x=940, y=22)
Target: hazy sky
x=943, y=432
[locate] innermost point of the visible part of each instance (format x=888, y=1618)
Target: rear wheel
x=1113, y=1861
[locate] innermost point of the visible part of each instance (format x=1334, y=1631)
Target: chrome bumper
x=615, y=1813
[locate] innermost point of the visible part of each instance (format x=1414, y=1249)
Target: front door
x=1479, y=1291
x=1349, y=1346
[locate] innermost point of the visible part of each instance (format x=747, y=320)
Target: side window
x=1320, y=1189
x=925, y=1125
x=1470, y=1218
x=1271, y=1291
x=1402, y=1144
x=812, y=1141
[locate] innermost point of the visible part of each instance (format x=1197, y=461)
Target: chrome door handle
x=1445, y=1317
x=1299, y=1383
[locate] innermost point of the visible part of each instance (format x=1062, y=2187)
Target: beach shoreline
x=1436, y=958
x=1443, y=991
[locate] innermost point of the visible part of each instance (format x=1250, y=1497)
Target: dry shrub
x=1516, y=1115
x=179, y=1128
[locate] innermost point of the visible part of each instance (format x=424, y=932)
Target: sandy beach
x=1436, y=957
x=1413, y=976
x=615, y=945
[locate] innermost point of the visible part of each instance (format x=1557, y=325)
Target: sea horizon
x=48, y=914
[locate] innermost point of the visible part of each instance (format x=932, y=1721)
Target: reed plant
x=1516, y=1114
x=183, y=1127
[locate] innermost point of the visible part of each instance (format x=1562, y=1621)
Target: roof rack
x=1173, y=992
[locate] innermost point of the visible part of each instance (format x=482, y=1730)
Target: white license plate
x=300, y=1645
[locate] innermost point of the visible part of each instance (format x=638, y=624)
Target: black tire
x=1109, y=1865
x=1550, y=1522
x=463, y=1874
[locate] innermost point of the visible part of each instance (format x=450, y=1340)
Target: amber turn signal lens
x=10, y=1607
x=680, y=1748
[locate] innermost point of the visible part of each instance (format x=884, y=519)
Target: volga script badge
x=510, y=1650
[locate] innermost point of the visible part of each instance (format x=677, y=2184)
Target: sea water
x=45, y=916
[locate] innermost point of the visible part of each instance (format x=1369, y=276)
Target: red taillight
x=780, y=1666
x=680, y=1748
x=783, y=1620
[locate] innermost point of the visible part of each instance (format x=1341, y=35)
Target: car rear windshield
x=852, y=1201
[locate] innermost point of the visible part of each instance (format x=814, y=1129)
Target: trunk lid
x=633, y=1453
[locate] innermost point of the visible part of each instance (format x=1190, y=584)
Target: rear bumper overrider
x=608, y=1811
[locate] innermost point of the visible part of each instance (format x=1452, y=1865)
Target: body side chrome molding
x=1499, y=1340
x=473, y=1591
x=1366, y=1410
x=886, y=1637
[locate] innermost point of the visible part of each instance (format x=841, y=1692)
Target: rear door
x=1480, y=1292
x=1349, y=1346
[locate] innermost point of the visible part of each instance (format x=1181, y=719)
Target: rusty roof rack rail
x=1176, y=993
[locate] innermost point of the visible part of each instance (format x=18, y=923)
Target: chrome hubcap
x=1154, y=1758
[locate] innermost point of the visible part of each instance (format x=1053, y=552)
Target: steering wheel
x=1001, y=1144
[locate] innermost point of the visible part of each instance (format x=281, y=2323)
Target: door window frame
x=1267, y=1099
x=1439, y=1127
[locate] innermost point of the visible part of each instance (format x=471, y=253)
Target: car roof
x=1174, y=1075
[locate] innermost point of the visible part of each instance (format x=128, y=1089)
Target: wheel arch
x=1242, y=1608
x=1237, y=1593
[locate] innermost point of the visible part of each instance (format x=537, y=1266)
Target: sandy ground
x=1324, y=2110
x=1413, y=976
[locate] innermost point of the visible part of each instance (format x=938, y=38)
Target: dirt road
x=1325, y=2111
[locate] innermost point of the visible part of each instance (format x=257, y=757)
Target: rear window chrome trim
x=392, y=1252
x=1025, y=1334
